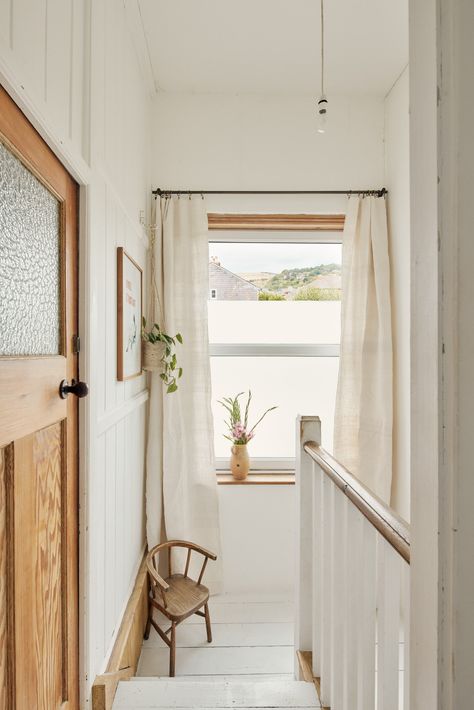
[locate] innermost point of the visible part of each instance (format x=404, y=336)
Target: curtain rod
x=163, y=193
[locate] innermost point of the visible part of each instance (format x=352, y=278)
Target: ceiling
x=273, y=46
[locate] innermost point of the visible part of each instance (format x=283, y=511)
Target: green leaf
x=180, y=372
x=179, y=338
x=163, y=376
x=144, y=321
x=172, y=388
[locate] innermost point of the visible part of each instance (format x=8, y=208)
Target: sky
x=242, y=257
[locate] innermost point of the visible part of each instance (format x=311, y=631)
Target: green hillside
x=295, y=278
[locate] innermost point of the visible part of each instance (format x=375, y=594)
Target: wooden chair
x=178, y=596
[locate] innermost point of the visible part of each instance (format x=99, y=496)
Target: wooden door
x=38, y=429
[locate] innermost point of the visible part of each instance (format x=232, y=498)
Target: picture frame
x=129, y=316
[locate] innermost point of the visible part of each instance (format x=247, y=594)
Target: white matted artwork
x=129, y=316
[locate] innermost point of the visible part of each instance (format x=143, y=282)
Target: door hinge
x=76, y=344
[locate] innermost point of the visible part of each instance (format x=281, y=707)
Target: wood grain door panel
x=39, y=533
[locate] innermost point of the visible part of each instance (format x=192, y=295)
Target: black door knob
x=80, y=389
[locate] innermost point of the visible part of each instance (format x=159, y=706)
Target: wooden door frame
x=75, y=164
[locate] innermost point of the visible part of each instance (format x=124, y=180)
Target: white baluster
x=388, y=625
x=366, y=621
x=406, y=634
x=353, y=597
x=307, y=429
x=339, y=589
x=326, y=591
x=318, y=578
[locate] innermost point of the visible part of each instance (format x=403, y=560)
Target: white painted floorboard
x=249, y=664
x=236, y=694
x=250, y=637
x=218, y=661
x=261, y=634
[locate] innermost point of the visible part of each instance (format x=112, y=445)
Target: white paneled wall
x=71, y=66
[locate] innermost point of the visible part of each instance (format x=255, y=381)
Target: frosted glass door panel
x=30, y=248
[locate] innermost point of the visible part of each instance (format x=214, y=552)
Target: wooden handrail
x=392, y=527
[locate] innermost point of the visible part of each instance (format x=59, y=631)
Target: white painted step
x=137, y=694
x=251, y=677
x=218, y=661
x=261, y=634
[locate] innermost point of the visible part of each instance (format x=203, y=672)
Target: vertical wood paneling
x=29, y=42
x=97, y=559
x=78, y=94
x=122, y=520
x=110, y=576
x=110, y=276
x=59, y=62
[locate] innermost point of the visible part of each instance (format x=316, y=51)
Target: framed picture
x=129, y=316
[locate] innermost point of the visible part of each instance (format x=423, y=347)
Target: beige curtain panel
x=182, y=498
x=364, y=401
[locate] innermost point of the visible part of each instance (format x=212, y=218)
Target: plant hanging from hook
x=159, y=348
x=159, y=353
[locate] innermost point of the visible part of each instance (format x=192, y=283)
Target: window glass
x=297, y=385
x=274, y=294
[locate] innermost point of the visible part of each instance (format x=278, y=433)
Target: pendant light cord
x=322, y=47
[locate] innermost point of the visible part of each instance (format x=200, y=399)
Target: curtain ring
x=189, y=196
x=202, y=196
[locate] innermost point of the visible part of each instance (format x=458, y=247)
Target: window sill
x=257, y=479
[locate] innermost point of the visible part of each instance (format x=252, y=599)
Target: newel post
x=307, y=429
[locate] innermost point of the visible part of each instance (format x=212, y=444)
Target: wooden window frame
x=267, y=470
x=276, y=222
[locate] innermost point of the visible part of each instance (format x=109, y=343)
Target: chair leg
x=148, y=621
x=208, y=623
x=173, y=649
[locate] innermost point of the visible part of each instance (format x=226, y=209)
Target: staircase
x=155, y=693
x=249, y=664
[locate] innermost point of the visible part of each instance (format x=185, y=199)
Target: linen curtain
x=364, y=401
x=181, y=483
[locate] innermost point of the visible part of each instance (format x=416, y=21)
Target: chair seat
x=183, y=598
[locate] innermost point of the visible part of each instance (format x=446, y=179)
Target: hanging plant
x=159, y=354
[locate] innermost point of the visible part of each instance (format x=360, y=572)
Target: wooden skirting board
x=128, y=645
x=305, y=660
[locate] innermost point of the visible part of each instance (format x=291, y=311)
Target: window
x=274, y=328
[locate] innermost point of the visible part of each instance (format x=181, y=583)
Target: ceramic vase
x=239, y=462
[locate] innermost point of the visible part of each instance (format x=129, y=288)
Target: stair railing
x=352, y=596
